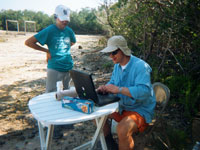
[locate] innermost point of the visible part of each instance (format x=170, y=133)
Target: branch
x=153, y=35
x=176, y=60
x=163, y=60
x=108, y=15
x=167, y=49
x=162, y=3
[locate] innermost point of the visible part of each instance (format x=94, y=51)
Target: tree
x=85, y=21
x=165, y=34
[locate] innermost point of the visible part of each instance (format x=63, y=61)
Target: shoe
x=111, y=143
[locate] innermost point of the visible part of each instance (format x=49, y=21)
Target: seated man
x=130, y=80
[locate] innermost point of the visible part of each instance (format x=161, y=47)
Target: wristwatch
x=120, y=89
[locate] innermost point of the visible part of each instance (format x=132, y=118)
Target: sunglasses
x=114, y=52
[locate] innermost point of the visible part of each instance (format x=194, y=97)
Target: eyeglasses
x=114, y=52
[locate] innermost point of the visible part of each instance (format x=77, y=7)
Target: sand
x=22, y=77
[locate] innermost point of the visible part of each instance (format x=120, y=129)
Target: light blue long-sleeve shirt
x=136, y=77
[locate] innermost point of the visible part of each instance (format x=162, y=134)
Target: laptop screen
x=84, y=85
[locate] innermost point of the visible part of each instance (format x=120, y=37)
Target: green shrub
x=107, y=66
x=177, y=138
x=185, y=91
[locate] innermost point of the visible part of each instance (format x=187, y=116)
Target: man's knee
x=126, y=127
x=122, y=130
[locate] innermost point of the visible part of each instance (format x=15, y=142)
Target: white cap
x=63, y=13
x=116, y=42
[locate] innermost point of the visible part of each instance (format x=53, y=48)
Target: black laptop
x=86, y=90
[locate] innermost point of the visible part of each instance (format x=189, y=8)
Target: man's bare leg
x=125, y=130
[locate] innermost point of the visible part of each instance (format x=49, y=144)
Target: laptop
x=85, y=89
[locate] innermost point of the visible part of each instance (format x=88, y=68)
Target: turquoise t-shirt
x=136, y=77
x=59, y=44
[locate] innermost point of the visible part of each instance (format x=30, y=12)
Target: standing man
x=59, y=38
x=131, y=81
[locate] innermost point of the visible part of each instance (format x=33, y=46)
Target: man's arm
x=118, y=90
x=32, y=42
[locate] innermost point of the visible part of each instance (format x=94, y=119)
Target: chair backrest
x=162, y=94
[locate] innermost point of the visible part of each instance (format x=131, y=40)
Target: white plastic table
x=49, y=112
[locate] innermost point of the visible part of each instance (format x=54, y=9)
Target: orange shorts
x=138, y=119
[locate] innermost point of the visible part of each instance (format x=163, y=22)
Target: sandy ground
x=22, y=77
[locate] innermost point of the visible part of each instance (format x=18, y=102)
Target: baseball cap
x=116, y=42
x=63, y=13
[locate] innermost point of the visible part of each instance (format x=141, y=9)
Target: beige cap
x=116, y=42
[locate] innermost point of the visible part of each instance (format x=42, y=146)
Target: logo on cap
x=65, y=12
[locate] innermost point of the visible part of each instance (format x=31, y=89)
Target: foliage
x=153, y=28
x=42, y=20
x=107, y=66
x=84, y=21
x=165, y=34
x=178, y=138
x=185, y=91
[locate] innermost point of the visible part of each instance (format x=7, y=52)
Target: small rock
x=2, y=142
x=80, y=47
x=32, y=135
x=22, y=138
